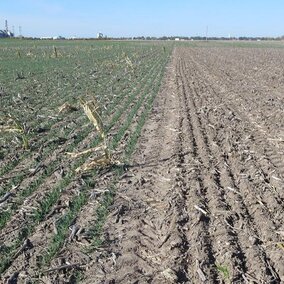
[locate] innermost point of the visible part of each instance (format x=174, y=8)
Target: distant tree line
x=245, y=38
x=198, y=38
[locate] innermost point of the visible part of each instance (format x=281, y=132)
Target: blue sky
x=85, y=18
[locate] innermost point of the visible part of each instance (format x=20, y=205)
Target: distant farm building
x=100, y=35
x=58, y=37
x=5, y=34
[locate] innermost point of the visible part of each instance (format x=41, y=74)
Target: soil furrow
x=218, y=207
x=201, y=258
x=265, y=259
x=263, y=135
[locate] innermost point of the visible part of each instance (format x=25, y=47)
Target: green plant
x=49, y=84
x=11, y=124
x=224, y=271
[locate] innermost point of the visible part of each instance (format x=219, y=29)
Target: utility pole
x=6, y=26
x=206, y=32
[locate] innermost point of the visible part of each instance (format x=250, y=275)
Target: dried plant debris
x=66, y=107
x=103, y=154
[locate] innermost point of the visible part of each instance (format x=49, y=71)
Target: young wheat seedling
x=15, y=126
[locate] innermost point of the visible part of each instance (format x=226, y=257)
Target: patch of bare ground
x=203, y=199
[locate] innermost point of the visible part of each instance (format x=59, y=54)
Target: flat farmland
x=205, y=202
x=198, y=193
x=42, y=196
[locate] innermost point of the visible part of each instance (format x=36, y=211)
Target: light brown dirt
x=203, y=199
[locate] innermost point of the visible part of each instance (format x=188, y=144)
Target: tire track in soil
x=182, y=210
x=148, y=216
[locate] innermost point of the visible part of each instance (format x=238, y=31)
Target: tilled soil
x=202, y=201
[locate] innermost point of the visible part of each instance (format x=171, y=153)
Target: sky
x=127, y=18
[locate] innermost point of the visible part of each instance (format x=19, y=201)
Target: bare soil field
x=202, y=201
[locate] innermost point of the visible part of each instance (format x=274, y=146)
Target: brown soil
x=203, y=199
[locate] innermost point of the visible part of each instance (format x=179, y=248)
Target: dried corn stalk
x=79, y=154
x=92, y=111
x=66, y=107
x=129, y=62
x=100, y=161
